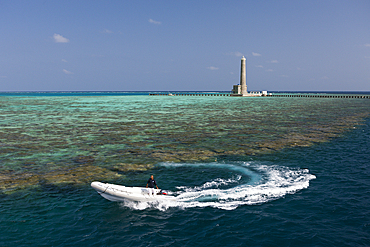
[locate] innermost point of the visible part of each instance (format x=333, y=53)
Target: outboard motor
x=163, y=192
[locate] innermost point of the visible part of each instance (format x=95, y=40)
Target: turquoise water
x=247, y=172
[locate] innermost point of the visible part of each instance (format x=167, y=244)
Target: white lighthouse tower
x=241, y=89
x=243, y=77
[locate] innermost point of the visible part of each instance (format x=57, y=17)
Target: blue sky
x=184, y=45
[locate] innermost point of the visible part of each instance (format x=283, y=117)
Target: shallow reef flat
x=75, y=140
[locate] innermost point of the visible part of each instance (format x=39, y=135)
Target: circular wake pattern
x=228, y=185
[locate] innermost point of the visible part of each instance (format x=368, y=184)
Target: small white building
x=236, y=89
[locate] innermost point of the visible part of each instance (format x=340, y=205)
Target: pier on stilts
x=288, y=95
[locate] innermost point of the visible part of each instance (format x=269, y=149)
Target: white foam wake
x=266, y=183
x=214, y=183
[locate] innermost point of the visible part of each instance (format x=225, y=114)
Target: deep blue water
x=306, y=196
x=332, y=211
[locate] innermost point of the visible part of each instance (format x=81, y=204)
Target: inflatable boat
x=119, y=193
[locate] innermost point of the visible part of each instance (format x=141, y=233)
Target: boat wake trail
x=235, y=185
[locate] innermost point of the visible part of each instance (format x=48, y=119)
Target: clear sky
x=158, y=45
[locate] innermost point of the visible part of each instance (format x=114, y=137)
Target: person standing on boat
x=151, y=183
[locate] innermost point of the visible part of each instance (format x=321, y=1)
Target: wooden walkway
x=321, y=96
x=294, y=95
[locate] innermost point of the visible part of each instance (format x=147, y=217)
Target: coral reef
x=79, y=139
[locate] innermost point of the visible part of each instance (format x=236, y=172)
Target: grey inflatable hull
x=119, y=193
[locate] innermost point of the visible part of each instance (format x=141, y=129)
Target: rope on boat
x=103, y=191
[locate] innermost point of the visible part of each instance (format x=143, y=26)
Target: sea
x=247, y=171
